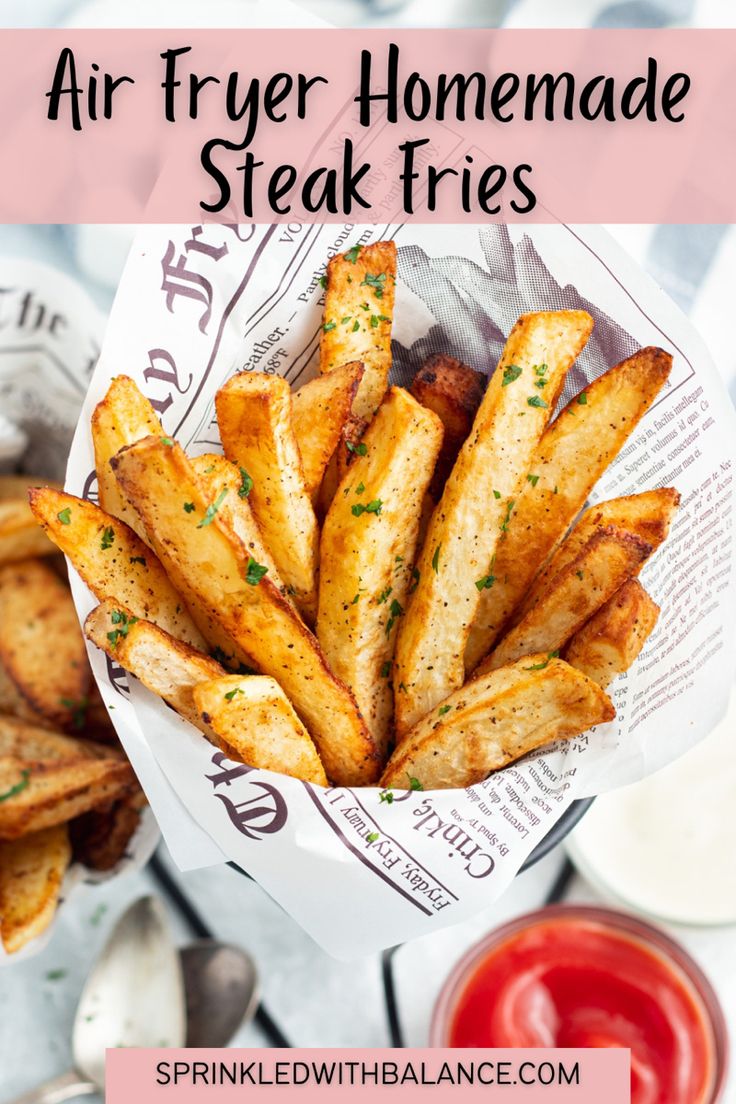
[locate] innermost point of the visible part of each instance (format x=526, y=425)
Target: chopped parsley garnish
x=387, y=796
x=355, y=599
x=496, y=494
x=361, y=449
x=395, y=611
x=352, y=253
x=97, y=915
x=55, y=975
x=555, y=490
x=231, y=693
x=138, y=559
x=536, y=400
x=167, y=441
x=108, y=538
x=25, y=776
x=414, y=783
x=78, y=710
x=541, y=666
x=323, y=281
x=444, y=709
x=376, y=318
x=510, y=373
x=254, y=572
x=360, y=488
x=355, y=326
x=540, y=371
x=372, y=837
x=189, y=507
x=486, y=582
x=373, y=507
x=402, y=687
x=579, y=574
x=382, y=597
x=212, y=509
x=329, y=326
x=582, y=399
x=533, y=479
x=65, y=516
x=344, y=321
x=415, y=576
x=121, y=619
x=385, y=669
x=509, y=507
x=436, y=560
x=246, y=484
x=375, y=282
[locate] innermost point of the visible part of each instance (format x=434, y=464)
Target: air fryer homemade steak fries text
x=372, y=586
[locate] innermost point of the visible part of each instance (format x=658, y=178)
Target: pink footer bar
x=277, y=1076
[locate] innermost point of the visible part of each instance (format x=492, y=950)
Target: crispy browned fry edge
x=573, y=454
x=608, y=644
x=454, y=392
x=167, y=666
x=250, y=609
x=31, y=872
x=100, y=837
x=647, y=515
x=494, y=720
x=359, y=306
x=126, y=569
x=254, y=416
x=366, y=561
x=466, y=525
x=122, y=417
x=607, y=560
x=54, y=792
x=41, y=647
x=20, y=536
x=254, y=723
x=320, y=409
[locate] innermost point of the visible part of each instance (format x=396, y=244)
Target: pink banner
x=529, y=1076
x=367, y=126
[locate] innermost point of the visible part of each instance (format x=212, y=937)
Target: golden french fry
x=202, y=554
x=647, y=515
x=42, y=650
x=21, y=740
x=113, y=561
x=20, y=536
x=609, y=558
x=320, y=409
x=254, y=415
x=608, y=644
x=168, y=667
x=36, y=795
x=31, y=872
x=359, y=306
x=12, y=701
x=494, y=720
x=573, y=454
x=463, y=534
x=123, y=417
x=454, y=392
x=254, y=723
x=367, y=552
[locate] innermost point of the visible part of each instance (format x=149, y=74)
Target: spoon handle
x=64, y=1087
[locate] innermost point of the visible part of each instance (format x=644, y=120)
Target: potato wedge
x=20, y=536
x=254, y=415
x=647, y=515
x=609, y=558
x=367, y=552
x=124, y=416
x=608, y=644
x=573, y=454
x=254, y=723
x=31, y=872
x=454, y=392
x=41, y=647
x=359, y=306
x=100, y=838
x=36, y=795
x=320, y=409
x=13, y=703
x=456, y=560
x=167, y=666
x=213, y=563
x=113, y=561
x=494, y=720
x=21, y=740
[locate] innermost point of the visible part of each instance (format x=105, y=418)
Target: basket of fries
x=374, y=556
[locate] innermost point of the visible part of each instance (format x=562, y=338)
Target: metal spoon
x=134, y=996
x=222, y=991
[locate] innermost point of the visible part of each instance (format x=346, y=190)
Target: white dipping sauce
x=667, y=844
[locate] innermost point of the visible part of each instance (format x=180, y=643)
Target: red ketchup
x=575, y=982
